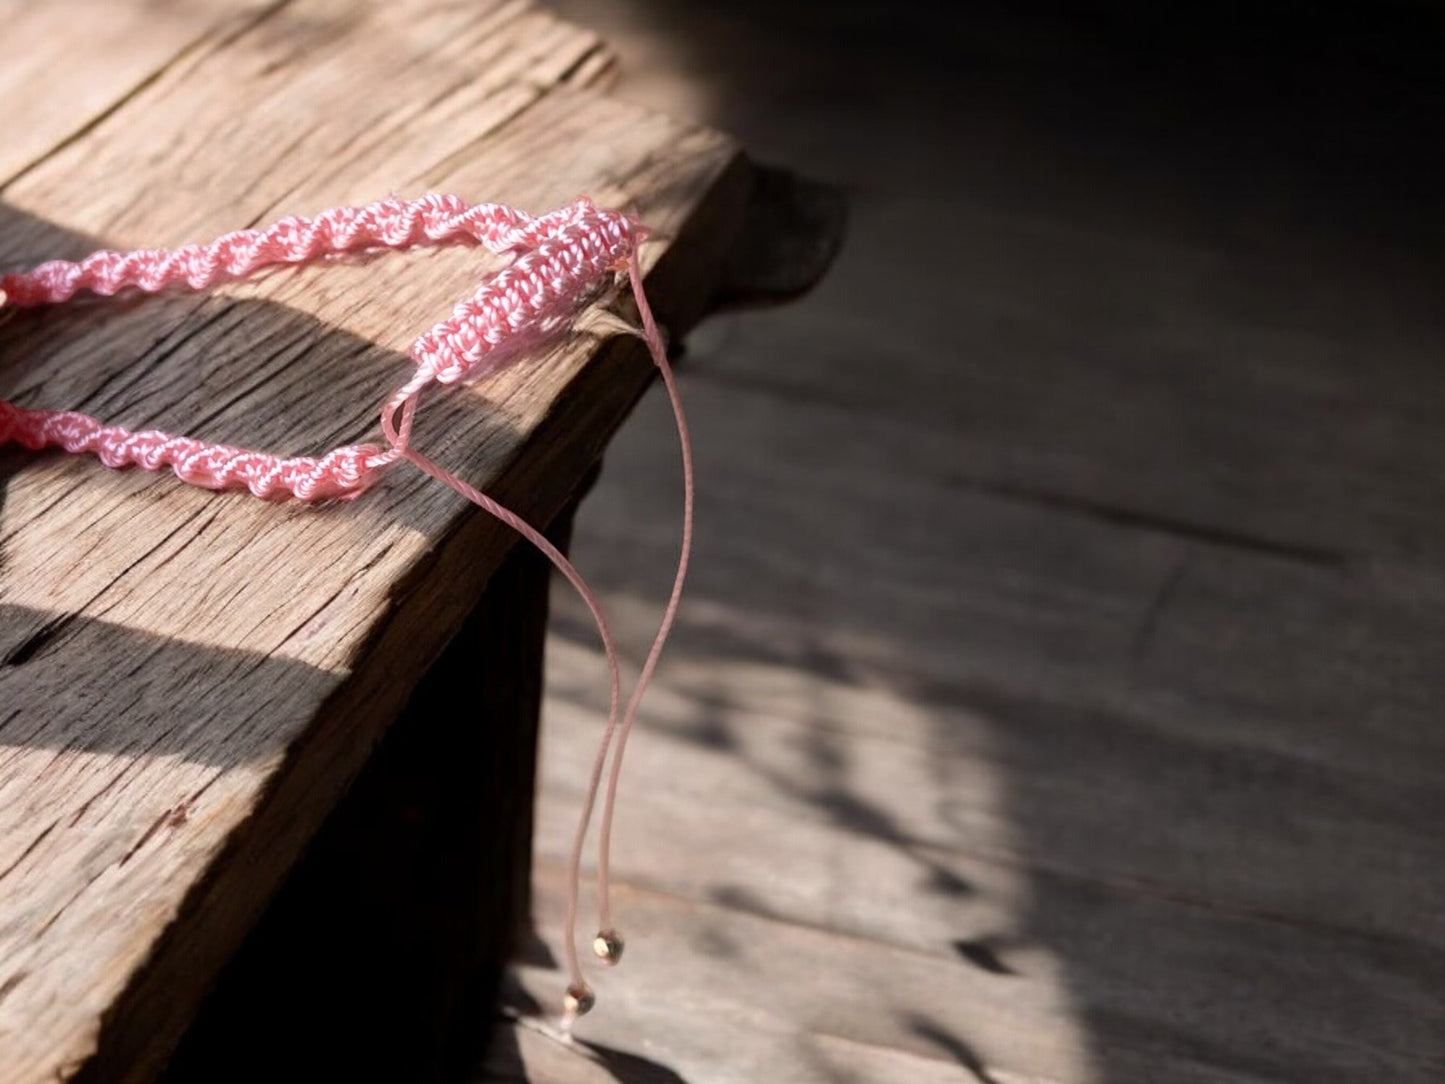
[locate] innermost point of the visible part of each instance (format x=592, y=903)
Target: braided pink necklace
x=560, y=262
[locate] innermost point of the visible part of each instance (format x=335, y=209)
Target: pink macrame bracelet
x=560, y=263
x=562, y=259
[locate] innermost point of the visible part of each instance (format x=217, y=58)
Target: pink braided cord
x=340, y=473
x=562, y=260
x=393, y=223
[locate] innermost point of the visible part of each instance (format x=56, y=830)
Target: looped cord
x=561, y=261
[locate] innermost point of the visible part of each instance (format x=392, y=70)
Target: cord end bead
x=578, y=1001
x=608, y=946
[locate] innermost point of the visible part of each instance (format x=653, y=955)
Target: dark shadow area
x=631, y=1068
x=382, y=952
x=1285, y=114
x=982, y=954
x=954, y=1047
x=505, y=1063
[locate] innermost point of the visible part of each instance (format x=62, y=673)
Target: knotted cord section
x=525, y=301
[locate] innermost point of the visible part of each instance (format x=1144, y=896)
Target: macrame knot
x=563, y=260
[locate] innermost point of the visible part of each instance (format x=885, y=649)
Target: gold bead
x=608, y=945
x=579, y=999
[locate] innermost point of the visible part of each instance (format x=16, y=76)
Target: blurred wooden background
x=1059, y=694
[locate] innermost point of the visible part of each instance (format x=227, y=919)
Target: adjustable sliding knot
x=565, y=260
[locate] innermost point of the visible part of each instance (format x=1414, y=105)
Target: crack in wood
x=1145, y=520
x=33, y=644
x=29, y=849
x=184, y=334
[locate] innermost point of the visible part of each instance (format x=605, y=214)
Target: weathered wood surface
x=188, y=680
x=1058, y=695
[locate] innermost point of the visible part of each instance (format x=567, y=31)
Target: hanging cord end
x=608, y=946
x=577, y=1002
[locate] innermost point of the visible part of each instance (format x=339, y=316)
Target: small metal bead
x=608, y=945
x=579, y=999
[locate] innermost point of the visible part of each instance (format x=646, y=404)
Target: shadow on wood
x=389, y=935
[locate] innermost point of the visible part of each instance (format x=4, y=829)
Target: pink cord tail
x=564, y=566
x=658, y=350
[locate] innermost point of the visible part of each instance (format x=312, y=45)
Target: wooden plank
x=191, y=679
x=1009, y=868
x=109, y=52
x=1242, y=643
x=1283, y=399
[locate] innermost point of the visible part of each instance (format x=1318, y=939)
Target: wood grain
x=190, y=680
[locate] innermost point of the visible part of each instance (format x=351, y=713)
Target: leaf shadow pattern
x=960, y=1051
x=505, y=1059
